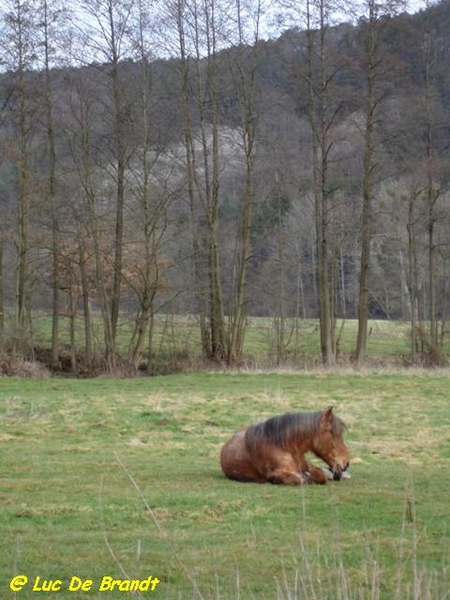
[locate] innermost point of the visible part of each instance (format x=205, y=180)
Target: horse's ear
x=325, y=418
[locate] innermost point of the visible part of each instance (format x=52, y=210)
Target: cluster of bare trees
x=167, y=158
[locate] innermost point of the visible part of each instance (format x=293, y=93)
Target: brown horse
x=274, y=450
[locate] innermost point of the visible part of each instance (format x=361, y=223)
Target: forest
x=221, y=160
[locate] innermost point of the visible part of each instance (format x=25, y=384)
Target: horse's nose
x=337, y=474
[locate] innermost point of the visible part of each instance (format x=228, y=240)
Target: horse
x=274, y=450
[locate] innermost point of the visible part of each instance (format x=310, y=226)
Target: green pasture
x=120, y=478
x=176, y=339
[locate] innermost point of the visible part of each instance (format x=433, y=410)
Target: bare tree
x=322, y=68
x=433, y=191
x=2, y=294
x=376, y=65
x=244, y=65
x=151, y=194
x=19, y=55
x=48, y=21
x=85, y=211
x=107, y=38
x=198, y=34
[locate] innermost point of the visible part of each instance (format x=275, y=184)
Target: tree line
x=178, y=159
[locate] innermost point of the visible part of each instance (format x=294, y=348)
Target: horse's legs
x=284, y=469
x=287, y=477
x=316, y=475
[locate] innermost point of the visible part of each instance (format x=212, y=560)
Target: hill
x=303, y=176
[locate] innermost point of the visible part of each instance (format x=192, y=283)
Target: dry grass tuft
x=20, y=367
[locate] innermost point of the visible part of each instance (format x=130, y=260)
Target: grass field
x=121, y=478
x=176, y=340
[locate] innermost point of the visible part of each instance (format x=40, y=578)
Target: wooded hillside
x=176, y=159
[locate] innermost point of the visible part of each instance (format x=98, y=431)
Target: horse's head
x=329, y=444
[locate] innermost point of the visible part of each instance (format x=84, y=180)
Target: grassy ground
x=121, y=478
x=177, y=338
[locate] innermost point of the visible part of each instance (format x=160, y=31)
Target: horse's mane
x=281, y=429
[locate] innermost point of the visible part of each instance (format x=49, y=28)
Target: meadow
x=120, y=478
x=176, y=342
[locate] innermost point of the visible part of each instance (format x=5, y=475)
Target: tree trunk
x=366, y=222
x=203, y=183
x=52, y=198
x=319, y=128
x=366, y=229
x=86, y=308
x=413, y=285
x=2, y=294
x=431, y=199
x=23, y=219
x=119, y=122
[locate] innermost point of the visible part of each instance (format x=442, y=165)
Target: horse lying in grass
x=274, y=450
